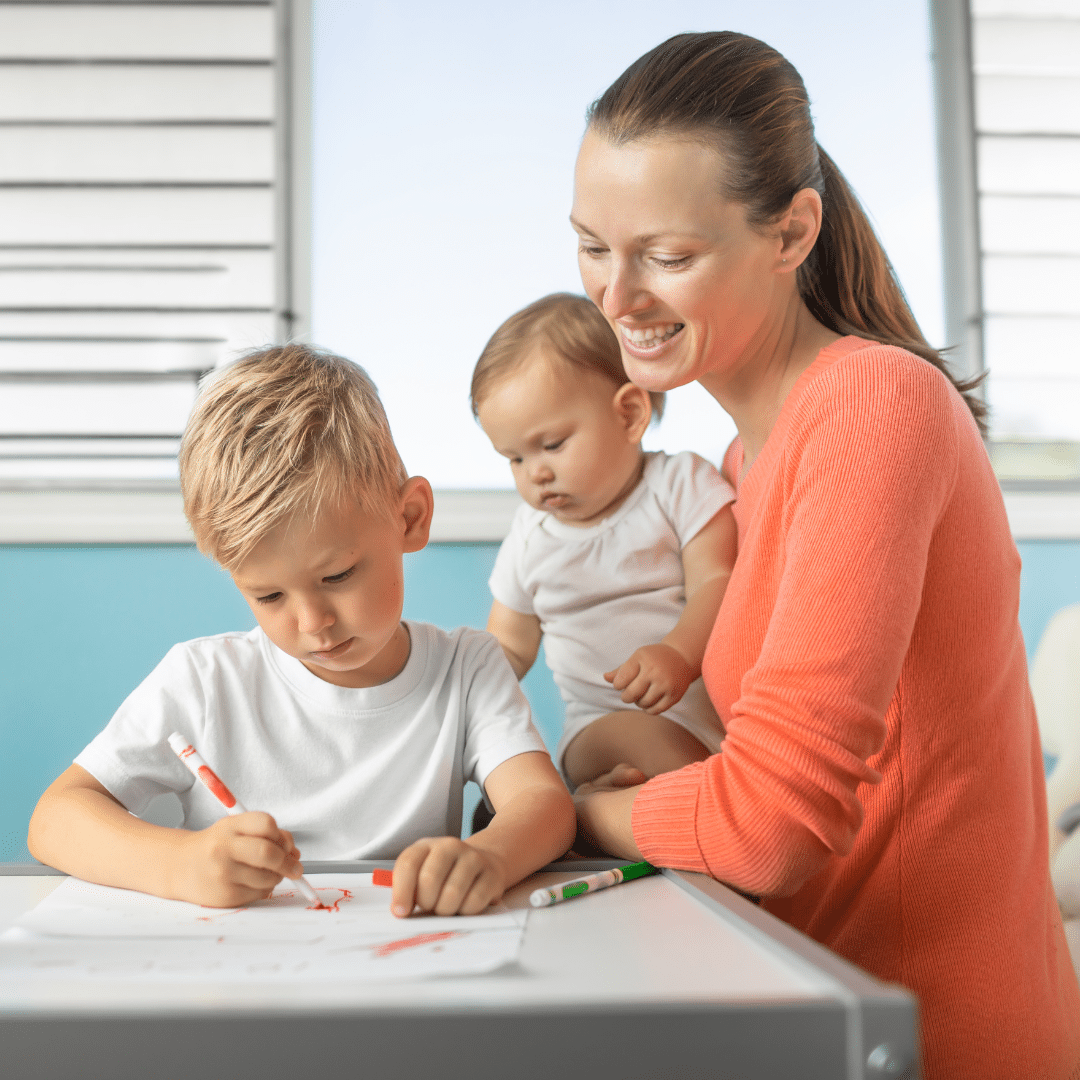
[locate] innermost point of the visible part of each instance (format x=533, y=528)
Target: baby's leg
x=653, y=744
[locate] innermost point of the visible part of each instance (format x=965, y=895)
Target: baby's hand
x=654, y=678
x=235, y=861
x=446, y=876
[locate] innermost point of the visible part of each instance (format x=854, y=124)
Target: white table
x=673, y=976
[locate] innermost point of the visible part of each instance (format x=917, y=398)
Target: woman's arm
x=518, y=634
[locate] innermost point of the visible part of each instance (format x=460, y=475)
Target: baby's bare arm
x=708, y=560
x=80, y=828
x=655, y=677
x=518, y=634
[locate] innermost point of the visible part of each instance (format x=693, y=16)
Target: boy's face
x=330, y=591
x=573, y=440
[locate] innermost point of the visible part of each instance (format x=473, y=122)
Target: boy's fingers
x=480, y=895
x=464, y=874
x=434, y=875
x=406, y=870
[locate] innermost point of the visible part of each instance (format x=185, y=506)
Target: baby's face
x=573, y=449
x=330, y=591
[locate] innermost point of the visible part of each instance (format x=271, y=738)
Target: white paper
x=354, y=908
x=84, y=931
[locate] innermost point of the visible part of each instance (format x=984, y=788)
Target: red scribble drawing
x=346, y=894
x=411, y=942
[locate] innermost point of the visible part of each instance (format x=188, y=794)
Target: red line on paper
x=346, y=894
x=411, y=942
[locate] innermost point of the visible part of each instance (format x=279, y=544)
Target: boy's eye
x=334, y=579
x=269, y=598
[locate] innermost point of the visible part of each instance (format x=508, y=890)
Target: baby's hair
x=283, y=430
x=575, y=330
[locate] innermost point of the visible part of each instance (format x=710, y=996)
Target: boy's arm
x=534, y=823
x=518, y=634
x=80, y=828
x=655, y=677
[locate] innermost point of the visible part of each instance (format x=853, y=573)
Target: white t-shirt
x=603, y=591
x=352, y=773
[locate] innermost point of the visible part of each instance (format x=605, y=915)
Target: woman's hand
x=604, y=806
x=654, y=678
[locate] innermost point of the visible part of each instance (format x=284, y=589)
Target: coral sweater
x=881, y=784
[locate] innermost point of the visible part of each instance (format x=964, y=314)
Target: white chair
x=1055, y=683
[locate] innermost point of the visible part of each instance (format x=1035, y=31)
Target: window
x=1027, y=110
x=147, y=227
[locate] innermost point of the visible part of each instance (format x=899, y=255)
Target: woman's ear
x=799, y=229
x=417, y=507
x=634, y=408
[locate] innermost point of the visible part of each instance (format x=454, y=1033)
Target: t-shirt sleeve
x=868, y=471
x=506, y=581
x=498, y=721
x=131, y=757
x=692, y=492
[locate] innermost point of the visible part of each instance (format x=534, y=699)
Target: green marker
x=590, y=883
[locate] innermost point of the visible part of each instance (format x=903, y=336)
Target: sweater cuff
x=664, y=820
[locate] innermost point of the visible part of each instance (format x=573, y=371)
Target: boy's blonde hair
x=283, y=430
x=575, y=330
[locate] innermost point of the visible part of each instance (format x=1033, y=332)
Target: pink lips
x=337, y=650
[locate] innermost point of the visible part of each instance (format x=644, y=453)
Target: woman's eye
x=672, y=264
x=591, y=250
x=269, y=598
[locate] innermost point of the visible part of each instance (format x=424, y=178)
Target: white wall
x=444, y=141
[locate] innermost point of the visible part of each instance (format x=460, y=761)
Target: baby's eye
x=269, y=598
x=554, y=445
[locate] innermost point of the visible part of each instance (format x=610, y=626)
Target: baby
x=620, y=558
x=356, y=730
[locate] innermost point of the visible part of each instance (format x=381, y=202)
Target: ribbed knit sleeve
x=838, y=514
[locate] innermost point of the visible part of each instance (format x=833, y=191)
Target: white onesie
x=603, y=591
x=352, y=773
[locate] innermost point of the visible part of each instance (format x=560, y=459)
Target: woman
x=881, y=783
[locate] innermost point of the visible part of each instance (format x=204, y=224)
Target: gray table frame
x=867, y=1030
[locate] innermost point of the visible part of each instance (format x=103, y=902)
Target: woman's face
x=685, y=282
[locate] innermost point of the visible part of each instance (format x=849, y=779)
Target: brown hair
x=573, y=327
x=283, y=430
x=745, y=96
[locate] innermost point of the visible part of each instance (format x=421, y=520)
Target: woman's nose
x=623, y=292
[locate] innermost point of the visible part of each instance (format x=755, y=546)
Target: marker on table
x=590, y=883
x=201, y=771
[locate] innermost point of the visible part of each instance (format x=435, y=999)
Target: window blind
x=1027, y=101
x=141, y=194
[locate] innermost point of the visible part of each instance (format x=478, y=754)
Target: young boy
x=355, y=730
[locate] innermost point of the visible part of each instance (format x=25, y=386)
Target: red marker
x=201, y=771
x=379, y=876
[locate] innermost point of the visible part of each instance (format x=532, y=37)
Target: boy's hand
x=235, y=861
x=446, y=876
x=654, y=678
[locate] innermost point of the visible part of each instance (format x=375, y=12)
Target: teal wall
x=81, y=626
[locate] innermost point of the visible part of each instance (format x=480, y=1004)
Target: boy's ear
x=634, y=407
x=417, y=508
